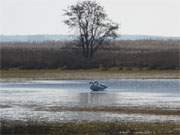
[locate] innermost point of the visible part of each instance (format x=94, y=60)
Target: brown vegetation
x=87, y=74
x=124, y=109
x=148, y=54
x=88, y=128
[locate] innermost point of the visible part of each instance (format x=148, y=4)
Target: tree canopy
x=92, y=24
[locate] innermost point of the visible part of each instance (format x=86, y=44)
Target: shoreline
x=88, y=74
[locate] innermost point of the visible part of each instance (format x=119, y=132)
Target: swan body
x=95, y=86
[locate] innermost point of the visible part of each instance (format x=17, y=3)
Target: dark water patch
x=5, y=106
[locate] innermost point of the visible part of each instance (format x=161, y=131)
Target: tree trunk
x=87, y=51
x=83, y=50
x=91, y=52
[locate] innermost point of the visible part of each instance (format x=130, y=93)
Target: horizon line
x=51, y=34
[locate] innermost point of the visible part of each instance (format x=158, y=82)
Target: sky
x=142, y=17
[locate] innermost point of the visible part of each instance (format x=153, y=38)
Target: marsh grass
x=150, y=54
x=110, y=73
x=88, y=128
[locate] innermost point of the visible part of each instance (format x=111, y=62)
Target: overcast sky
x=149, y=17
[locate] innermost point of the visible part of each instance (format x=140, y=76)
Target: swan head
x=96, y=82
x=91, y=83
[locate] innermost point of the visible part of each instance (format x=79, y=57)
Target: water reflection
x=164, y=93
x=124, y=85
x=96, y=98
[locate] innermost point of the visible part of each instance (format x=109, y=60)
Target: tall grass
x=151, y=54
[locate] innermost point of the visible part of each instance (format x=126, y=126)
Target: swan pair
x=96, y=86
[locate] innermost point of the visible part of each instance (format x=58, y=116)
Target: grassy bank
x=111, y=73
x=88, y=128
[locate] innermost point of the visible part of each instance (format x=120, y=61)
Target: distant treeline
x=150, y=54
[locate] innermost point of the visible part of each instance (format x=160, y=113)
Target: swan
x=96, y=86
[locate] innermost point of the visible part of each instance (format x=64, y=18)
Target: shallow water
x=20, y=100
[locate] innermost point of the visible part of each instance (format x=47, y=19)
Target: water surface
x=20, y=100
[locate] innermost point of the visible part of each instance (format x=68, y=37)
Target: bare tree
x=93, y=25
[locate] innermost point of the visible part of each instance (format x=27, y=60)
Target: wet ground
x=50, y=100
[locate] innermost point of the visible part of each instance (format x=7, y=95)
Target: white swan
x=95, y=86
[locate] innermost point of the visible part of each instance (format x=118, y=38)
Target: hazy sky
x=149, y=17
